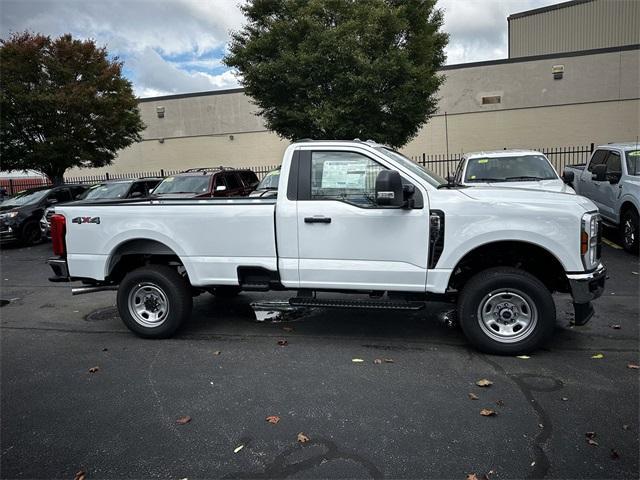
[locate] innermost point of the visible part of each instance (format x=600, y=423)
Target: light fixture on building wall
x=161, y=140
x=230, y=137
x=160, y=112
x=557, y=71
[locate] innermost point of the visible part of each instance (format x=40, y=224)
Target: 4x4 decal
x=80, y=220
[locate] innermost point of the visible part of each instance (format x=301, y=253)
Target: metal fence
x=559, y=157
x=14, y=185
x=440, y=164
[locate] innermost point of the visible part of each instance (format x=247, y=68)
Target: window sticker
x=634, y=154
x=483, y=160
x=473, y=177
x=344, y=174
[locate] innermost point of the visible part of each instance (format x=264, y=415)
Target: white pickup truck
x=350, y=217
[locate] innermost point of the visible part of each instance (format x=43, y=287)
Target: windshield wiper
x=524, y=177
x=477, y=180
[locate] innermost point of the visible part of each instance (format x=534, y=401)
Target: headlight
x=6, y=216
x=589, y=240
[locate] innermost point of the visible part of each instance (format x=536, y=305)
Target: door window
x=61, y=195
x=137, y=187
x=345, y=176
x=598, y=158
x=233, y=182
x=614, y=164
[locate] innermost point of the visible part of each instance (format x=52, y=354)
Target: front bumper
x=584, y=288
x=587, y=286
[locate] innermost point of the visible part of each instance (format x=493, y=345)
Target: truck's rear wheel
x=506, y=311
x=154, y=301
x=630, y=230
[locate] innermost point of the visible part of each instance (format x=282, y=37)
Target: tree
x=64, y=104
x=341, y=68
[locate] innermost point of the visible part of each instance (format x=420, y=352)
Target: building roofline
x=548, y=8
x=549, y=56
x=502, y=61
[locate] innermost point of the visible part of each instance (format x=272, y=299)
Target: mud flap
x=584, y=312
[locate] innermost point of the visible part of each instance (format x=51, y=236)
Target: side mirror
x=614, y=177
x=568, y=177
x=221, y=188
x=136, y=194
x=389, y=189
x=599, y=173
x=52, y=201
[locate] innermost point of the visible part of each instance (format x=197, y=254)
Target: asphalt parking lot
x=409, y=416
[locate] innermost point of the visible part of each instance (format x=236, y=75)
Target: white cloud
x=174, y=46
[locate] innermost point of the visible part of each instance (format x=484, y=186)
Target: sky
x=176, y=46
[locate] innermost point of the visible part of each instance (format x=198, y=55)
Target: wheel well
x=527, y=256
x=136, y=253
x=626, y=206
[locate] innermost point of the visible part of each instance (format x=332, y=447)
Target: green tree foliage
x=64, y=104
x=341, y=68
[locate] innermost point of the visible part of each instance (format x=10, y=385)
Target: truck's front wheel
x=154, y=301
x=506, y=311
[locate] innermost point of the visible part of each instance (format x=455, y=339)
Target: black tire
x=31, y=234
x=503, y=292
x=225, y=291
x=164, y=289
x=630, y=230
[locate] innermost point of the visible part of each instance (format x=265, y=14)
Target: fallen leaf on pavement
x=597, y=355
x=388, y=360
x=625, y=427
x=94, y=369
x=183, y=420
x=592, y=442
x=357, y=360
x=540, y=425
x=484, y=383
x=472, y=476
x=105, y=349
x=80, y=475
x=486, y=475
x=591, y=438
x=564, y=399
x=487, y=412
x=287, y=329
x=377, y=361
x=217, y=352
x=238, y=448
x=302, y=438
x=273, y=419
x=633, y=365
x=614, y=454
x=500, y=403
x=615, y=326
x=473, y=396
x=523, y=357
x=283, y=343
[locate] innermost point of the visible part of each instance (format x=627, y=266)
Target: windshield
x=106, y=190
x=185, y=184
x=509, y=169
x=25, y=198
x=270, y=181
x=430, y=177
x=633, y=162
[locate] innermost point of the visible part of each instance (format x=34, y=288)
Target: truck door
x=606, y=194
x=344, y=239
x=587, y=186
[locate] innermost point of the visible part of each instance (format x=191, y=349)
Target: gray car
x=611, y=179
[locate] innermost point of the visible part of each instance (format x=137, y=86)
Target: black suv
x=207, y=183
x=20, y=214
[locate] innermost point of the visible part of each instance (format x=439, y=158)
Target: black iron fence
x=558, y=156
x=14, y=185
x=440, y=164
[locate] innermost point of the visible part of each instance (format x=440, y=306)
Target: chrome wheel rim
x=507, y=315
x=629, y=232
x=148, y=305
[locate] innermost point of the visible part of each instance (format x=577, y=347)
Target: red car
x=207, y=183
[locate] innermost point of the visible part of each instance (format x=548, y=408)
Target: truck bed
x=215, y=236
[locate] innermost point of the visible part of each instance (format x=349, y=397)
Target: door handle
x=317, y=220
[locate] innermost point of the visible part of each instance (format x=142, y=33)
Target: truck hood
x=528, y=197
x=556, y=185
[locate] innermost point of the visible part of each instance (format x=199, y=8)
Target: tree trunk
x=55, y=175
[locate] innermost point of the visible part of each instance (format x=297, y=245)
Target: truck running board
x=371, y=304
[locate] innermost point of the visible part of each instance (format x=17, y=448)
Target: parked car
x=208, y=182
x=113, y=189
x=611, y=180
x=19, y=214
x=268, y=186
x=353, y=217
x=509, y=168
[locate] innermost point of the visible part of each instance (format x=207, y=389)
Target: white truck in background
x=350, y=217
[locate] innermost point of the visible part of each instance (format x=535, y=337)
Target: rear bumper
x=60, y=270
x=587, y=286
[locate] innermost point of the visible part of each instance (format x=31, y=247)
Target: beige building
x=543, y=100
